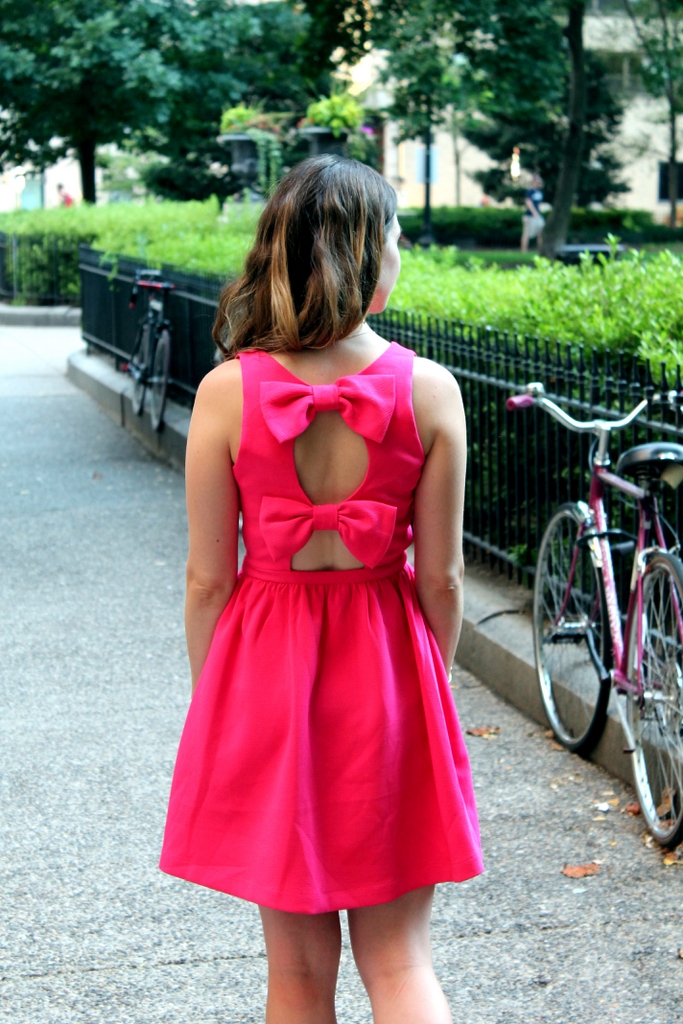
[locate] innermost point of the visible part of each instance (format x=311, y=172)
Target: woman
x=322, y=766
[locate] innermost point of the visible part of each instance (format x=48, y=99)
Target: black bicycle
x=151, y=357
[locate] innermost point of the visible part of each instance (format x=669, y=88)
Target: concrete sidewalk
x=94, y=687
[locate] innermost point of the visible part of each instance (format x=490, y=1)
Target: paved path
x=94, y=687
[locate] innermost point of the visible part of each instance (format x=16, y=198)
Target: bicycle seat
x=663, y=459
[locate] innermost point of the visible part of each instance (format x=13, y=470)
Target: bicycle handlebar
x=534, y=395
x=519, y=402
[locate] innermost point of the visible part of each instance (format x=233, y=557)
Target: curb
x=496, y=645
x=39, y=316
x=496, y=642
x=96, y=375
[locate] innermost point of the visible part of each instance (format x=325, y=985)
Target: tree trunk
x=555, y=231
x=673, y=167
x=86, y=158
x=427, y=235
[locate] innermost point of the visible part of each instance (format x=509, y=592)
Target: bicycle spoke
x=569, y=631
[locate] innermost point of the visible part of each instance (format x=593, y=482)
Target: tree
x=227, y=54
x=340, y=31
x=555, y=231
x=78, y=73
x=658, y=25
x=540, y=140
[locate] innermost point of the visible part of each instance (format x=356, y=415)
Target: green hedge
x=500, y=227
x=633, y=304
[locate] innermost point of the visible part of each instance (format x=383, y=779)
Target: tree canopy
x=228, y=54
x=76, y=73
x=80, y=73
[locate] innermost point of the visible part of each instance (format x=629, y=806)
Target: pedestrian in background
x=533, y=220
x=322, y=766
x=65, y=198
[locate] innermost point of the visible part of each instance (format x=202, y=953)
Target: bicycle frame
x=595, y=529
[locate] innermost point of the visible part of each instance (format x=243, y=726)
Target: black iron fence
x=40, y=270
x=520, y=465
x=110, y=325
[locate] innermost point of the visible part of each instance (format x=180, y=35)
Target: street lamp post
x=427, y=235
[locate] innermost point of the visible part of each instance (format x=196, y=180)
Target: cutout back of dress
x=327, y=473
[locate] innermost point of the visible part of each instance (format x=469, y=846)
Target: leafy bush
x=193, y=235
x=491, y=226
x=339, y=112
x=634, y=304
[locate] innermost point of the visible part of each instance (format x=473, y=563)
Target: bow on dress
x=366, y=527
x=365, y=403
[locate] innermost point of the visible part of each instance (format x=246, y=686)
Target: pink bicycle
x=582, y=652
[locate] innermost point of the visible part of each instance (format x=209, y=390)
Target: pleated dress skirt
x=322, y=765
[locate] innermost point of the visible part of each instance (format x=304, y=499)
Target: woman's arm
x=212, y=508
x=439, y=499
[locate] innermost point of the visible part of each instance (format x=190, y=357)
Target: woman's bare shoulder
x=436, y=400
x=434, y=388
x=223, y=383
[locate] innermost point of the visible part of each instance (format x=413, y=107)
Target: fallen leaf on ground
x=548, y=733
x=670, y=859
x=665, y=807
x=607, y=792
x=555, y=745
x=487, y=732
x=600, y=817
x=632, y=809
x=680, y=954
x=615, y=802
x=581, y=870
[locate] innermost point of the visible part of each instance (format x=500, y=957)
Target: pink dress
x=322, y=765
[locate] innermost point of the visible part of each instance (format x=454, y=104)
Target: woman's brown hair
x=314, y=268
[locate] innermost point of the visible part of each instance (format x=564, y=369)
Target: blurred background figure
x=533, y=220
x=64, y=197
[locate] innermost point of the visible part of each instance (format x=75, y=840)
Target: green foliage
x=422, y=70
x=81, y=72
x=632, y=304
x=263, y=129
x=339, y=112
x=231, y=55
x=497, y=227
x=193, y=235
x=339, y=30
x=524, y=93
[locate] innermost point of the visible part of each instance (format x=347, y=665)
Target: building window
x=664, y=182
x=420, y=152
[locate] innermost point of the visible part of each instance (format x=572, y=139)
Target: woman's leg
x=303, y=962
x=391, y=948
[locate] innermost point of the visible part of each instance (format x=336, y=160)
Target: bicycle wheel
x=571, y=634
x=656, y=714
x=158, y=382
x=138, y=368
